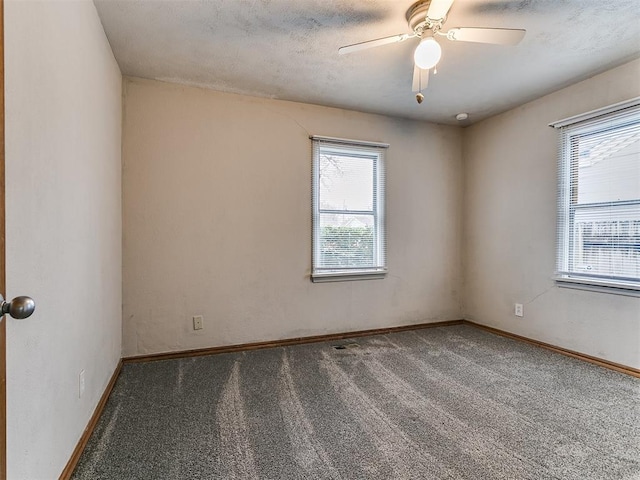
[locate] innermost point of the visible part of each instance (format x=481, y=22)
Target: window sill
x=591, y=285
x=347, y=276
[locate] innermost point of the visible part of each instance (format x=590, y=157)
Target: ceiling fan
x=425, y=19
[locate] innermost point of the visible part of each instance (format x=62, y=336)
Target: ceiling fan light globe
x=427, y=54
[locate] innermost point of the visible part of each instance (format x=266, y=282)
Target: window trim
x=378, y=212
x=620, y=286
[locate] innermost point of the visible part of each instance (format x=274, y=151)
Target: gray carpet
x=439, y=403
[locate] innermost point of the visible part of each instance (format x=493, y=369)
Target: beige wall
x=63, y=197
x=510, y=225
x=217, y=221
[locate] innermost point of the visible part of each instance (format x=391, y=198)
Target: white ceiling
x=288, y=49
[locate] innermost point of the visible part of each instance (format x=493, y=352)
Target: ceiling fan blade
x=374, y=43
x=498, y=36
x=420, y=79
x=439, y=9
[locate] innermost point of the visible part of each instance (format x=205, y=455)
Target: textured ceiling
x=288, y=49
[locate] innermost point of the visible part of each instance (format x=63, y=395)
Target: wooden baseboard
x=285, y=342
x=634, y=372
x=82, y=443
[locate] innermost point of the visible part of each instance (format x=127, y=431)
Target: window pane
x=346, y=240
x=607, y=241
x=346, y=183
x=609, y=166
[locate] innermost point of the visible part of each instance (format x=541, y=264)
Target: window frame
x=570, y=130
x=355, y=149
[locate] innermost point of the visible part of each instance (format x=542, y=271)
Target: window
x=599, y=199
x=348, y=210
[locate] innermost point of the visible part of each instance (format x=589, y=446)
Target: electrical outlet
x=81, y=384
x=197, y=322
x=519, y=310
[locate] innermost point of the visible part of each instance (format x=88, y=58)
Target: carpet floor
x=438, y=403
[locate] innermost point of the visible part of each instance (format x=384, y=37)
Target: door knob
x=19, y=307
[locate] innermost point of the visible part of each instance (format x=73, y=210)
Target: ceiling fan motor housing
x=417, y=18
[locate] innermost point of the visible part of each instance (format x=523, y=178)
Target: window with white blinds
x=348, y=210
x=599, y=198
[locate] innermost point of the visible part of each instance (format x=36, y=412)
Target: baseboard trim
x=285, y=342
x=82, y=443
x=634, y=372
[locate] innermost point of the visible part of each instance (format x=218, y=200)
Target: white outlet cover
x=519, y=310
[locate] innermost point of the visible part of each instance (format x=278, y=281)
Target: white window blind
x=348, y=209
x=599, y=198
